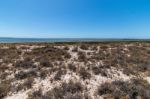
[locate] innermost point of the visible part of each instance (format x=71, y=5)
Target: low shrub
x=9, y=54
x=106, y=88
x=75, y=49
x=51, y=53
x=67, y=56
x=46, y=63
x=82, y=57
x=84, y=47
x=26, y=63
x=72, y=67
x=97, y=70
x=36, y=95
x=94, y=48
x=75, y=96
x=28, y=83
x=43, y=73
x=23, y=75
x=66, y=48
x=132, y=89
x=4, y=89
x=84, y=73
x=67, y=88
x=59, y=74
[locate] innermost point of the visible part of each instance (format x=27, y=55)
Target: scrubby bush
x=49, y=52
x=4, y=89
x=26, y=63
x=84, y=74
x=104, y=47
x=67, y=88
x=75, y=49
x=3, y=68
x=45, y=63
x=84, y=47
x=106, y=88
x=133, y=89
x=9, y=54
x=82, y=57
x=37, y=95
x=67, y=56
x=97, y=70
x=59, y=74
x=72, y=67
x=23, y=75
x=66, y=48
x=28, y=83
x=75, y=96
x=94, y=48
x=43, y=73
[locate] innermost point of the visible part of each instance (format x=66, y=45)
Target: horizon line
x=69, y=38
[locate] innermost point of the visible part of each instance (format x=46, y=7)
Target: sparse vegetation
x=23, y=75
x=133, y=89
x=26, y=63
x=59, y=74
x=4, y=88
x=75, y=49
x=108, y=69
x=45, y=63
x=84, y=47
x=50, y=53
x=28, y=83
x=72, y=67
x=36, y=95
x=98, y=70
x=62, y=92
x=84, y=74
x=82, y=56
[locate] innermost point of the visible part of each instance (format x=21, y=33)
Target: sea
x=24, y=40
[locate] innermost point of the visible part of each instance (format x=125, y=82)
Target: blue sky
x=75, y=18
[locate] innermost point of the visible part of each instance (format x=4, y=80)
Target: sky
x=75, y=18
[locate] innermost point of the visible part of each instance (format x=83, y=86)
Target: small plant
x=75, y=96
x=82, y=56
x=132, y=89
x=72, y=67
x=67, y=88
x=59, y=74
x=72, y=87
x=75, y=49
x=28, y=83
x=46, y=63
x=23, y=75
x=106, y=88
x=27, y=63
x=4, y=89
x=43, y=73
x=84, y=74
x=98, y=70
x=84, y=47
x=66, y=48
x=94, y=48
x=67, y=56
x=36, y=95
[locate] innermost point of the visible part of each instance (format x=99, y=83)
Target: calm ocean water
x=22, y=40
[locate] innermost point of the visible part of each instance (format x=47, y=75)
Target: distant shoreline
x=65, y=40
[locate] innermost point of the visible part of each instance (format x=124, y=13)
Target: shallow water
x=21, y=40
